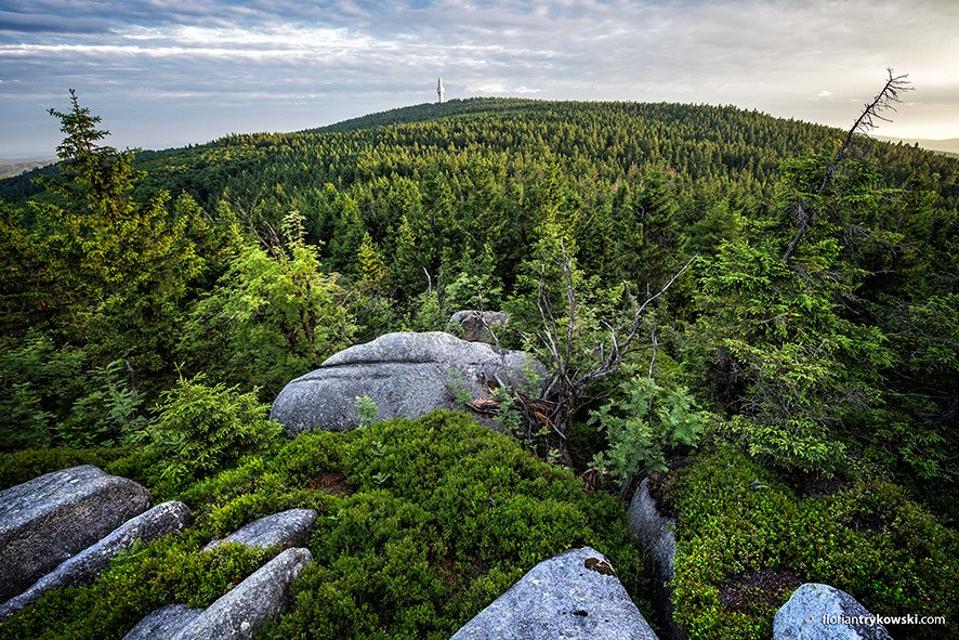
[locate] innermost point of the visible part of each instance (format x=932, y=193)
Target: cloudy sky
x=165, y=73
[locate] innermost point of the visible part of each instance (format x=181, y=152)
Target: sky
x=165, y=73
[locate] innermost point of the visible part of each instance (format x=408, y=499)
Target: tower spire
x=440, y=90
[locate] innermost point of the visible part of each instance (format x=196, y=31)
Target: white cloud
x=774, y=55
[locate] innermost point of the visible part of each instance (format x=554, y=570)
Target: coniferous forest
x=766, y=329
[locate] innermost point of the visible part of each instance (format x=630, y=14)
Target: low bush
x=740, y=524
x=199, y=430
x=163, y=572
x=27, y=464
x=422, y=524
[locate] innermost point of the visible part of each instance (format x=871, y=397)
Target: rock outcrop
x=405, y=374
x=477, y=326
x=243, y=610
x=574, y=595
x=656, y=536
x=163, y=623
x=820, y=612
x=238, y=614
x=49, y=519
x=85, y=566
x=285, y=529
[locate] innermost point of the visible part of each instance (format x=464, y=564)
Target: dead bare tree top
x=886, y=100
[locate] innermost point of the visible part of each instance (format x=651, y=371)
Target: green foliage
x=736, y=518
x=772, y=347
x=24, y=465
x=366, y=409
x=268, y=320
x=422, y=524
x=842, y=360
x=374, y=277
x=446, y=515
x=171, y=570
x=475, y=285
x=541, y=287
x=123, y=268
x=372, y=306
x=428, y=314
x=201, y=429
x=111, y=413
x=643, y=426
x=50, y=396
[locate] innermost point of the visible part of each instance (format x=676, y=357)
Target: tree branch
x=872, y=111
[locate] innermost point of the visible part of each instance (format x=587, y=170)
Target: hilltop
x=709, y=316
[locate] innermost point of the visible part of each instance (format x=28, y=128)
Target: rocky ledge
x=49, y=519
x=237, y=615
x=407, y=375
x=575, y=595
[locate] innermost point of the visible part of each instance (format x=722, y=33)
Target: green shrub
x=164, y=572
x=201, y=429
x=53, y=396
x=446, y=515
x=737, y=519
x=643, y=427
x=269, y=319
x=21, y=466
x=421, y=525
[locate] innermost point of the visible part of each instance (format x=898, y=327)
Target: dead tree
x=564, y=392
x=884, y=101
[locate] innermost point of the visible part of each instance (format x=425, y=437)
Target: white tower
x=440, y=90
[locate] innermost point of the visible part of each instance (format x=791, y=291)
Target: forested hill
x=714, y=148
x=474, y=173
x=432, y=110
x=713, y=293
x=698, y=141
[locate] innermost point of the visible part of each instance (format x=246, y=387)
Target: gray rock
x=163, y=623
x=405, y=374
x=285, y=529
x=245, y=609
x=820, y=612
x=45, y=521
x=84, y=567
x=478, y=326
x=574, y=595
x=656, y=536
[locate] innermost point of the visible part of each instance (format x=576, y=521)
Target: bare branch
x=565, y=390
x=885, y=100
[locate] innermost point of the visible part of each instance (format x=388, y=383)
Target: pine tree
x=374, y=277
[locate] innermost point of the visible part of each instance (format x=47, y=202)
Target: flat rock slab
x=245, y=609
x=572, y=596
x=407, y=375
x=819, y=612
x=285, y=529
x=163, y=623
x=47, y=520
x=84, y=567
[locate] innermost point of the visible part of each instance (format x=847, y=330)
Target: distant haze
x=164, y=73
x=949, y=146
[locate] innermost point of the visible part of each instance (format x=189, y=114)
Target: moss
x=150, y=576
x=21, y=466
x=739, y=522
x=441, y=516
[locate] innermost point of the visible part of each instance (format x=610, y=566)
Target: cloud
x=284, y=64
x=34, y=23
